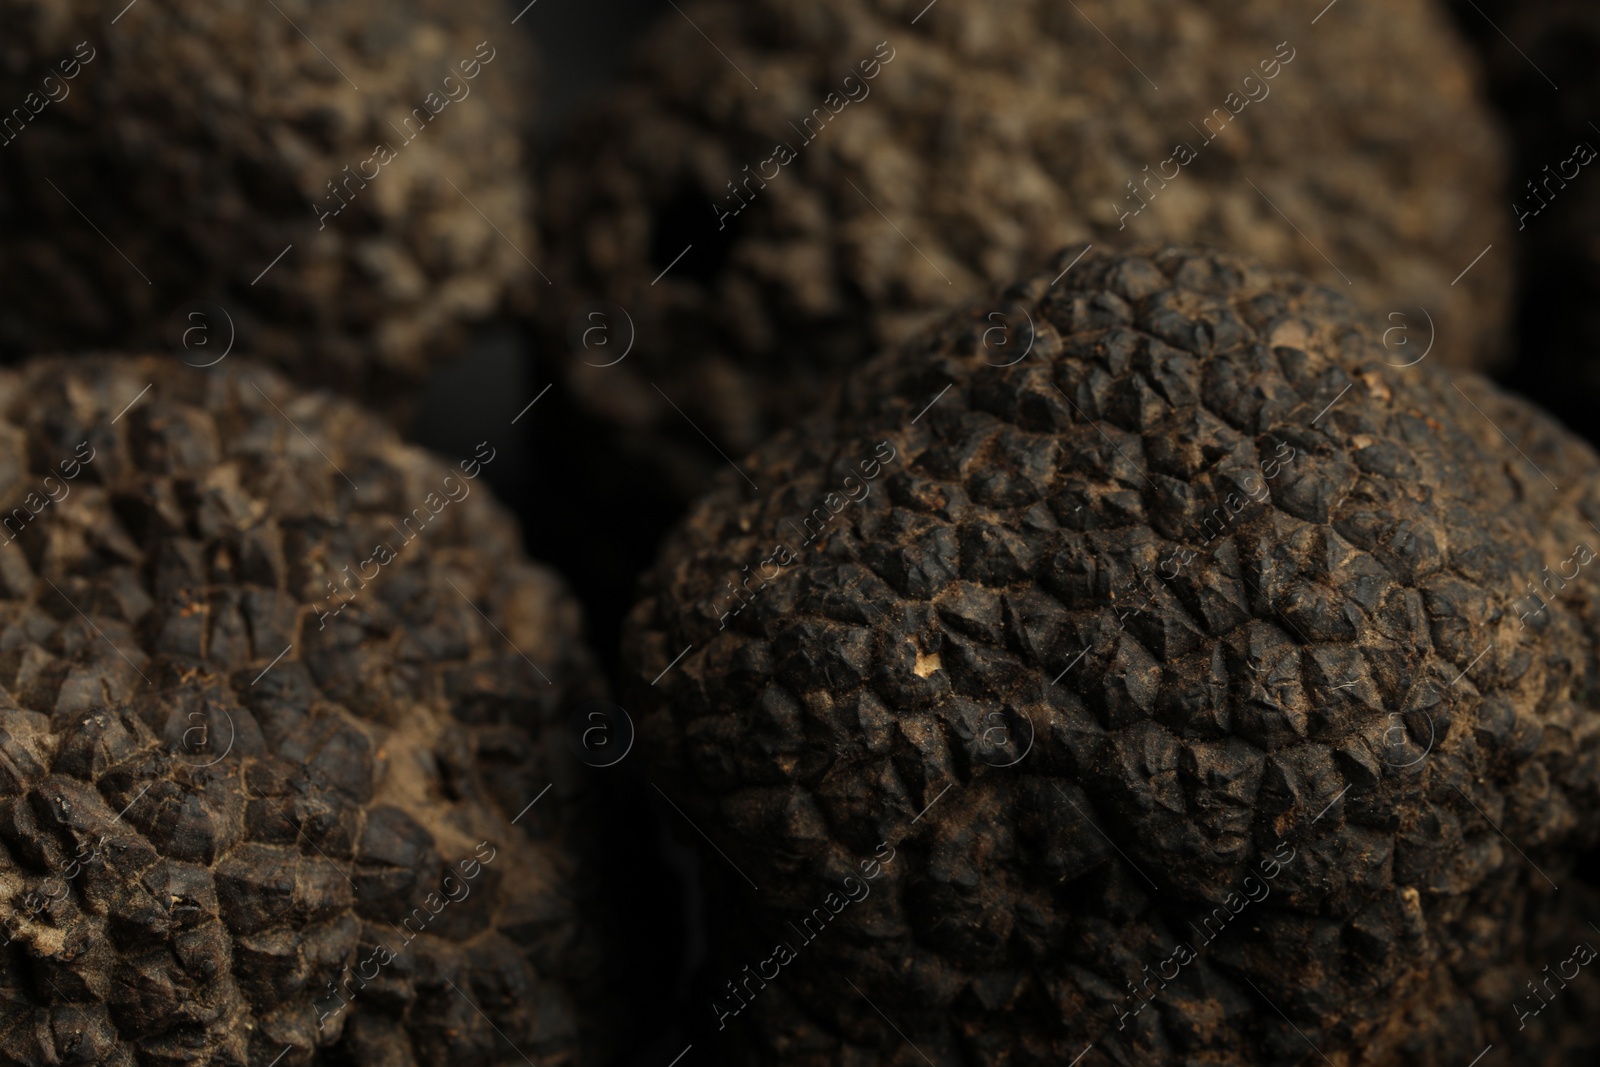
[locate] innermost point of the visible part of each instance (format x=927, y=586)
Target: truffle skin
x=215, y=805
x=1260, y=599
x=203, y=139
x=991, y=137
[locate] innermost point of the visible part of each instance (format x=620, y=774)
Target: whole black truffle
x=781, y=188
x=267, y=791
x=1145, y=669
x=337, y=188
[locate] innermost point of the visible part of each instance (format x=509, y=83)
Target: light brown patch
x=1376, y=388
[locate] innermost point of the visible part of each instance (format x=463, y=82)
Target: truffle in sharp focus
x=276, y=692
x=1195, y=686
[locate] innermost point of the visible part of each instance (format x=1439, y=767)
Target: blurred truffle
x=163, y=164
x=894, y=164
x=274, y=689
x=1166, y=691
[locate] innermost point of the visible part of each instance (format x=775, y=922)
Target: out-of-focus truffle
x=1193, y=687
x=895, y=164
x=274, y=689
x=168, y=160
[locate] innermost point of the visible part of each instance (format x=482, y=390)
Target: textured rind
x=200, y=137
x=225, y=799
x=1342, y=670
x=994, y=137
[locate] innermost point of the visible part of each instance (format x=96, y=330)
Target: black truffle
x=337, y=188
x=899, y=160
x=1145, y=669
x=266, y=790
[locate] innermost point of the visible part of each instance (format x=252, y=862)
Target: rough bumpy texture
x=990, y=138
x=1202, y=624
x=1554, y=200
x=200, y=139
x=219, y=795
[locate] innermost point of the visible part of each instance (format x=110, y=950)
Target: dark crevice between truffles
x=687, y=240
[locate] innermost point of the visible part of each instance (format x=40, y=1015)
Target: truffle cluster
x=276, y=697
x=889, y=168
x=375, y=147
x=1219, y=692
